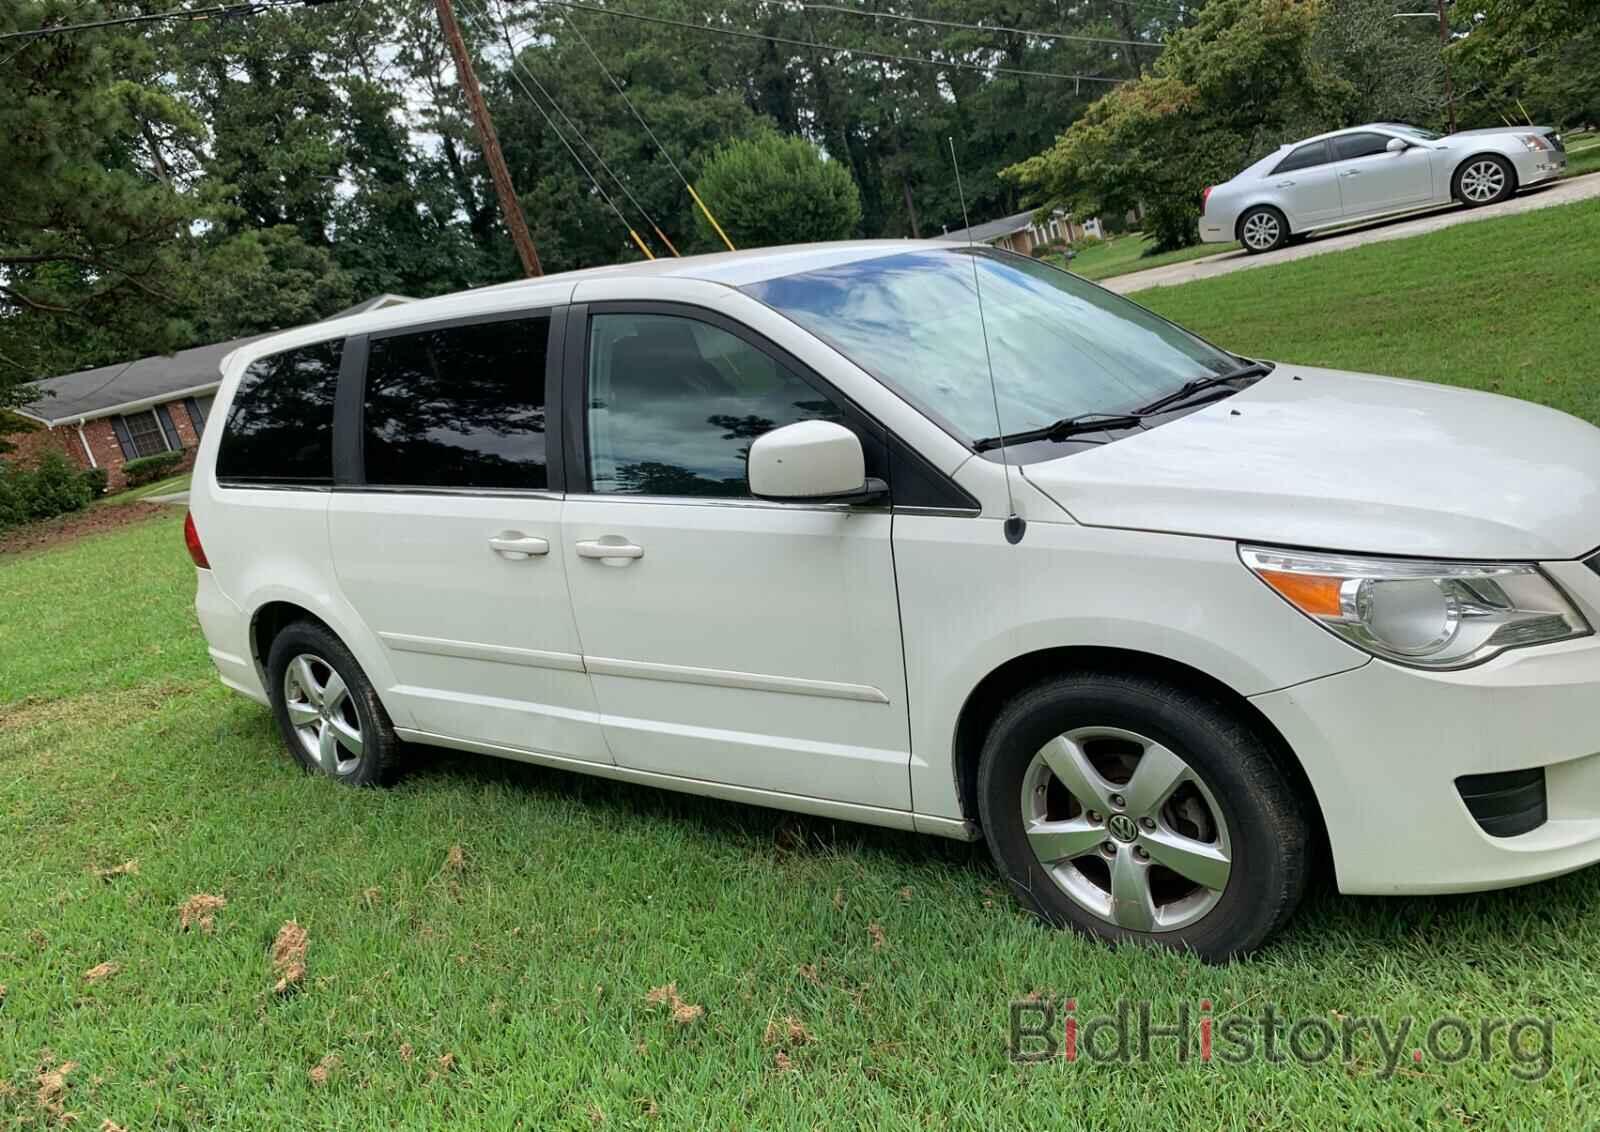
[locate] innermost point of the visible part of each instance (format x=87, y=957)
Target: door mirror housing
x=811, y=462
x=1397, y=145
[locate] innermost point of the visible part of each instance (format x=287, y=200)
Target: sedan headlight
x=1417, y=612
x=1534, y=142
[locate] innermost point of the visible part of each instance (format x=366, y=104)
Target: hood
x=1344, y=461
x=1488, y=130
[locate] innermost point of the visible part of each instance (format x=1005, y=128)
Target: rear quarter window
x=280, y=423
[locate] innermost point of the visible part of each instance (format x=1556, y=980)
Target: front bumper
x=1537, y=167
x=1384, y=745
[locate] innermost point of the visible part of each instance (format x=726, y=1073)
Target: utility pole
x=510, y=207
x=1444, y=42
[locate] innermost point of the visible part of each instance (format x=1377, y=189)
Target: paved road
x=1562, y=192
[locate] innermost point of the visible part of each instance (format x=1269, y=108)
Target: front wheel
x=1485, y=180
x=1136, y=810
x=327, y=709
x=1263, y=229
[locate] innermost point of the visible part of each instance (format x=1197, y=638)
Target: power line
x=572, y=22
x=194, y=15
x=573, y=126
x=1030, y=32
x=918, y=60
x=549, y=121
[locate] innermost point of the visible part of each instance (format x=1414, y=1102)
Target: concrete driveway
x=1562, y=192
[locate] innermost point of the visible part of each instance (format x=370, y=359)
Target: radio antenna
x=1015, y=524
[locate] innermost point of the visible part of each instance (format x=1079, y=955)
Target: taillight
x=191, y=539
x=1205, y=196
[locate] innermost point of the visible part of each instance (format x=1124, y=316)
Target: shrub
x=53, y=488
x=96, y=478
x=774, y=189
x=148, y=469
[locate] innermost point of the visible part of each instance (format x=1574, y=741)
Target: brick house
x=105, y=417
x=1022, y=233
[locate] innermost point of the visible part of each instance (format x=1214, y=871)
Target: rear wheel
x=327, y=709
x=1135, y=810
x=1263, y=229
x=1485, y=180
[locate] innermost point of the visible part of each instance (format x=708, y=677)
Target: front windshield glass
x=1415, y=131
x=1061, y=347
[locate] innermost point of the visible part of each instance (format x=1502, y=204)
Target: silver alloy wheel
x=1261, y=231
x=323, y=714
x=1482, y=181
x=1146, y=848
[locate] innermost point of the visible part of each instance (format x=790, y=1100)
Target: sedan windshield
x=1414, y=131
x=1060, y=347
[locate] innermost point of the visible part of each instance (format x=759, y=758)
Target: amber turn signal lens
x=1316, y=594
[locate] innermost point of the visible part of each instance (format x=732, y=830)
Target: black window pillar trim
x=349, y=466
x=556, y=350
x=574, y=409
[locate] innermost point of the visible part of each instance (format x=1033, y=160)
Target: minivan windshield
x=1060, y=347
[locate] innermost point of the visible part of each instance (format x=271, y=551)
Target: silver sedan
x=1371, y=171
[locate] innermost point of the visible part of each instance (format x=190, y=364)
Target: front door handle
x=1351, y=173
x=619, y=552
x=516, y=546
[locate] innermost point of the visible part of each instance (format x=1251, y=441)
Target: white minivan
x=1162, y=624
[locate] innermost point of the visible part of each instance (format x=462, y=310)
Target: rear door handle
x=516, y=546
x=1351, y=173
x=1284, y=185
x=599, y=548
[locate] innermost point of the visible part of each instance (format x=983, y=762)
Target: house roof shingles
x=99, y=392
x=993, y=229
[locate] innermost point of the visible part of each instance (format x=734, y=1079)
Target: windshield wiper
x=1061, y=430
x=1068, y=427
x=1199, y=385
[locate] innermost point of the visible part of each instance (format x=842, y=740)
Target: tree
x=95, y=254
x=773, y=189
x=1240, y=81
x=1393, y=68
x=1541, y=57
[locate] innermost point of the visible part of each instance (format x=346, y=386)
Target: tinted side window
x=1360, y=145
x=280, y=424
x=1303, y=158
x=674, y=404
x=461, y=406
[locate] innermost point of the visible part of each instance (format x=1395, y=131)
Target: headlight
x=1427, y=614
x=1533, y=141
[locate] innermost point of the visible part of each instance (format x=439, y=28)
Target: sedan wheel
x=1126, y=828
x=1262, y=230
x=1484, y=181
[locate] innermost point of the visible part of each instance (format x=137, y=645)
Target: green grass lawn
x=1508, y=305
x=1123, y=254
x=160, y=487
x=1583, y=159
x=505, y=984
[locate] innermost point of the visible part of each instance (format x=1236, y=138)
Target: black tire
x=377, y=760
x=1269, y=837
x=1472, y=167
x=1271, y=220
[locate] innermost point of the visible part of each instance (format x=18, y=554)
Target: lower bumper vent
x=1508, y=803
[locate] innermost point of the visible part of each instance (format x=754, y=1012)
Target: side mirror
x=811, y=462
x=1396, y=145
